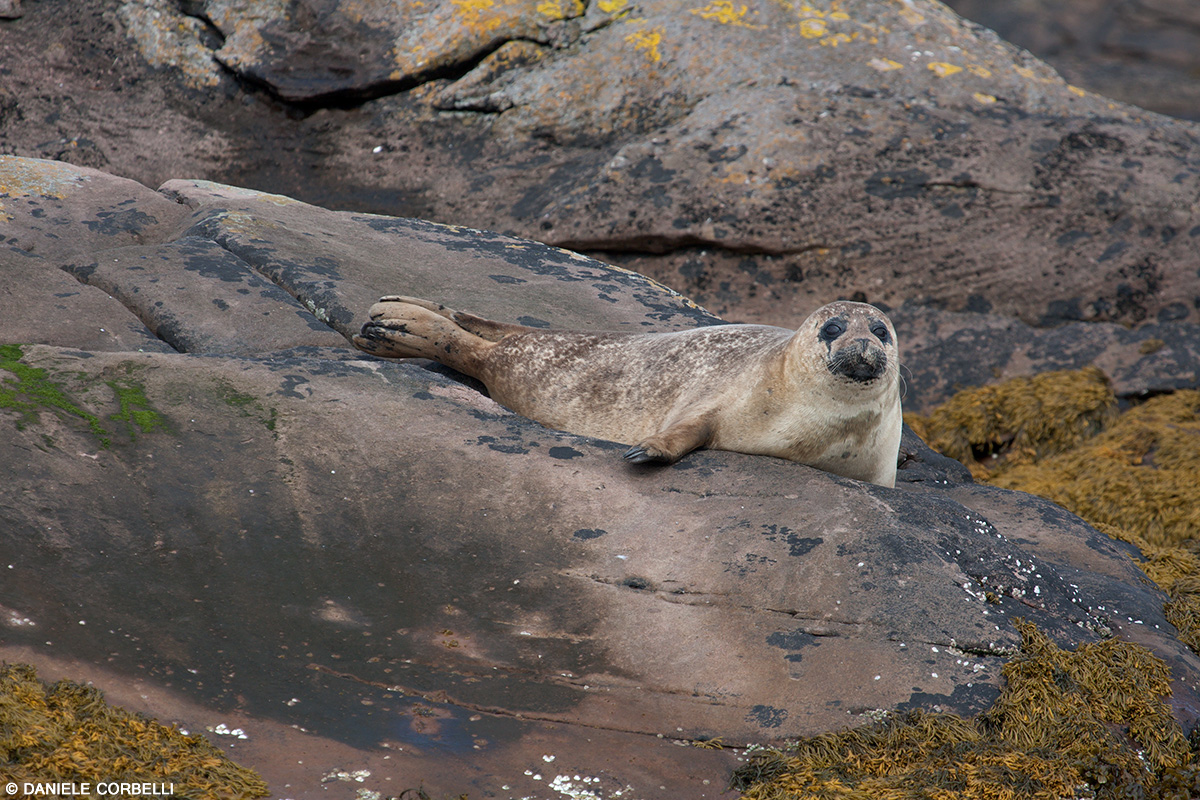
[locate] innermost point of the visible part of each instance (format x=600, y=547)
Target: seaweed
x=1132, y=475
x=1094, y=722
x=65, y=732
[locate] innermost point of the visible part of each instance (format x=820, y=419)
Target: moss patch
x=249, y=406
x=1095, y=722
x=66, y=732
x=29, y=391
x=135, y=409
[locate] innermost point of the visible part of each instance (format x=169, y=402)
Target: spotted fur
x=826, y=394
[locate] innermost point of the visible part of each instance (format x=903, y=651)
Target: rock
x=376, y=552
x=10, y=9
x=762, y=158
x=1146, y=53
x=946, y=352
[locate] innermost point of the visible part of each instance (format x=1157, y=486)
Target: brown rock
x=381, y=555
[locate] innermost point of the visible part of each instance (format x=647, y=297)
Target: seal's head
x=856, y=341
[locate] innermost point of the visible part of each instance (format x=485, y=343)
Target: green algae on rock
x=33, y=390
x=66, y=732
x=1095, y=722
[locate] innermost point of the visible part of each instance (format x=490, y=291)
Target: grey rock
x=764, y=163
x=946, y=352
x=1145, y=53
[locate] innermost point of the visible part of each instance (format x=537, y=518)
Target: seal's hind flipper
x=484, y=328
x=399, y=328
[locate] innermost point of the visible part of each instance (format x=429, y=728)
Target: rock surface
x=1146, y=53
x=211, y=493
x=946, y=351
x=763, y=158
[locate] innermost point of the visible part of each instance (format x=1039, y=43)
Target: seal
x=826, y=394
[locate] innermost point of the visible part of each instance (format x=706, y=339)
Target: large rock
x=765, y=158
x=209, y=492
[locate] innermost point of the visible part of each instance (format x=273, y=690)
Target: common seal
x=826, y=395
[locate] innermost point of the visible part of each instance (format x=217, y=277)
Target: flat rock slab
x=257, y=518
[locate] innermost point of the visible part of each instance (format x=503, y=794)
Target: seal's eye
x=832, y=329
x=880, y=330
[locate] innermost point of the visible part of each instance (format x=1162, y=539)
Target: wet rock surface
x=211, y=494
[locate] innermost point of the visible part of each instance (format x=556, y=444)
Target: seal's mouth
x=858, y=361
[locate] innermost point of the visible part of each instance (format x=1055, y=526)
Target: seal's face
x=859, y=341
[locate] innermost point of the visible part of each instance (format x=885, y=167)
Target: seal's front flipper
x=674, y=441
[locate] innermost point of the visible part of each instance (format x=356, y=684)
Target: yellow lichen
x=812, y=28
x=726, y=13
x=838, y=38
x=648, y=42
x=32, y=177
x=478, y=16
x=986, y=99
x=166, y=38
x=555, y=10
x=943, y=69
